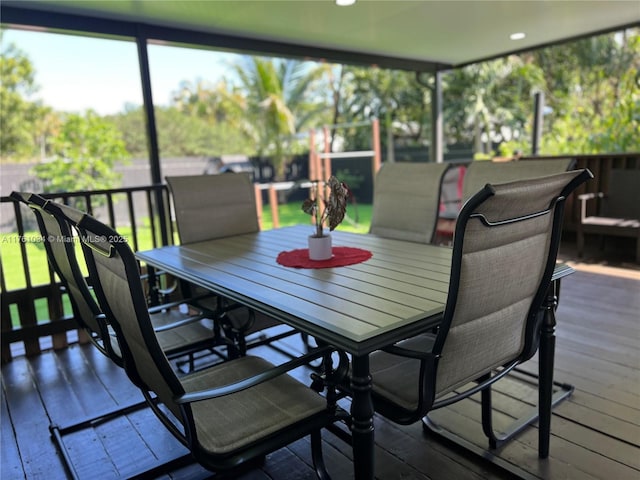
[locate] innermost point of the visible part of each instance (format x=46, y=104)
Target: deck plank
x=595, y=433
x=30, y=421
x=9, y=451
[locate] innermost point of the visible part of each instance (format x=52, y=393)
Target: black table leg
x=362, y=415
x=152, y=279
x=545, y=366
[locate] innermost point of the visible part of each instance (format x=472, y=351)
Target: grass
x=357, y=220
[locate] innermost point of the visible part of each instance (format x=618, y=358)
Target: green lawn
x=357, y=220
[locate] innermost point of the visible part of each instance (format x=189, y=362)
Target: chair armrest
x=406, y=352
x=589, y=196
x=583, y=203
x=177, y=303
x=179, y=323
x=254, y=380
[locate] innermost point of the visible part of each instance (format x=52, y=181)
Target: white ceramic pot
x=320, y=247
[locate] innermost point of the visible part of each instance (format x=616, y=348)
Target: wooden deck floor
x=595, y=434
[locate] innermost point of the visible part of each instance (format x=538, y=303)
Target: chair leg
x=191, y=362
x=241, y=341
x=487, y=417
x=546, y=397
x=318, y=459
x=496, y=440
x=430, y=427
x=545, y=366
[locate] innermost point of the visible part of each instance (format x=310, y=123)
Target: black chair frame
x=90, y=228
x=539, y=333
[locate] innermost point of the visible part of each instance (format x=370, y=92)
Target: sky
x=77, y=73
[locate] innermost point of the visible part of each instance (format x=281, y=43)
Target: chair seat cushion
x=250, y=415
x=396, y=378
x=179, y=337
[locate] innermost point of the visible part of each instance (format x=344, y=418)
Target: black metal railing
x=35, y=313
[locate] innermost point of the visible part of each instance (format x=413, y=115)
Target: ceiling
x=422, y=35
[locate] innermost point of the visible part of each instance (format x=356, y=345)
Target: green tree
x=215, y=116
x=486, y=102
x=17, y=114
x=85, y=152
x=592, y=88
x=393, y=96
x=214, y=103
x=281, y=98
x=619, y=131
x=188, y=135
x=132, y=127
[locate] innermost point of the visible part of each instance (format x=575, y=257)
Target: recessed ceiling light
x=345, y=3
x=517, y=36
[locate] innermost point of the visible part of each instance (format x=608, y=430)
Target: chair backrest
x=406, y=200
x=623, y=198
x=213, y=206
x=504, y=253
x=479, y=173
x=60, y=244
x=115, y=273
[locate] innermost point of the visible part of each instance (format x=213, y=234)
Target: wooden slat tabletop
x=397, y=293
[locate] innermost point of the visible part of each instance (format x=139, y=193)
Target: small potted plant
x=333, y=211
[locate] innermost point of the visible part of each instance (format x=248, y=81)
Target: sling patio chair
x=59, y=245
x=406, y=200
x=215, y=206
x=179, y=334
x=226, y=415
x=504, y=254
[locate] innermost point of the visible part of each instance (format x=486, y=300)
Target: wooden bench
x=619, y=210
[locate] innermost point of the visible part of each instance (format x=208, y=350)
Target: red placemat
x=341, y=256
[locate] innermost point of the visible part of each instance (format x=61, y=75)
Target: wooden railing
x=600, y=166
x=35, y=310
x=35, y=315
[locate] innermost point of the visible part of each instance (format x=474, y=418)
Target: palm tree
x=279, y=102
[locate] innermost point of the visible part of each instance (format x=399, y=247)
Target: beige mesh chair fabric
x=221, y=423
x=479, y=173
x=406, y=200
x=502, y=279
x=213, y=206
x=216, y=206
x=178, y=334
x=60, y=247
x=505, y=247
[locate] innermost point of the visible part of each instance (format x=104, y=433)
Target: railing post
x=273, y=203
x=327, y=159
x=377, y=157
x=259, y=206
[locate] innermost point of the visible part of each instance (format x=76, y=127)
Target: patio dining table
x=398, y=292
